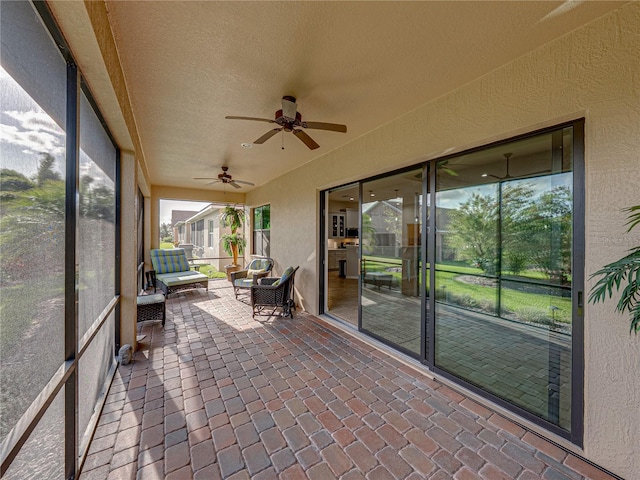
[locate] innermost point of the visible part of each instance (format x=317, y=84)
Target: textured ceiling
x=189, y=64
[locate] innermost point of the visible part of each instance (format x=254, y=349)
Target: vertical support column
x=147, y=232
x=154, y=217
x=129, y=249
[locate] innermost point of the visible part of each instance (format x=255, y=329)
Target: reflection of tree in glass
x=473, y=229
x=535, y=231
x=367, y=235
x=547, y=233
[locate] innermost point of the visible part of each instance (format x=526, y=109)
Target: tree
x=473, y=231
x=546, y=233
x=166, y=233
x=32, y=221
x=486, y=226
x=46, y=171
x=233, y=243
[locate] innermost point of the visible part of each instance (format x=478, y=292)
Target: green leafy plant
x=233, y=243
x=625, y=274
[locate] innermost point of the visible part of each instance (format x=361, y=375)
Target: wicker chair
x=243, y=280
x=273, y=293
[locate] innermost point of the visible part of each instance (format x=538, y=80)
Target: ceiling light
x=246, y=145
x=351, y=198
x=371, y=194
x=485, y=175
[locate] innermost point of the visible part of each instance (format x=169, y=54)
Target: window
x=261, y=230
x=199, y=236
x=212, y=226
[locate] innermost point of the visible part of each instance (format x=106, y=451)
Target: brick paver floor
x=216, y=394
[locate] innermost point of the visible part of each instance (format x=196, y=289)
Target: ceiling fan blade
x=306, y=139
x=333, y=127
x=232, y=117
x=245, y=183
x=205, y=178
x=211, y=183
x=233, y=184
x=267, y=135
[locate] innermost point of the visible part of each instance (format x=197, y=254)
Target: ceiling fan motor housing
x=287, y=122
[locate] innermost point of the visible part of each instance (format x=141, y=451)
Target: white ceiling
x=189, y=64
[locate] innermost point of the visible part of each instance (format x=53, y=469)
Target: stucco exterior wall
x=592, y=73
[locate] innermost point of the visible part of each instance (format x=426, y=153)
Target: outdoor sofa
x=172, y=272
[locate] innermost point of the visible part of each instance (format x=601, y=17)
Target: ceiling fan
x=507, y=156
x=225, y=178
x=507, y=176
x=290, y=120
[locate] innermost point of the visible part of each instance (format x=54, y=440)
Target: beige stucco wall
x=592, y=73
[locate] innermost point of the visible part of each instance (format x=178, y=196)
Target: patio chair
x=274, y=293
x=258, y=268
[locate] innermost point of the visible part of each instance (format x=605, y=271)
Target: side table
x=151, y=307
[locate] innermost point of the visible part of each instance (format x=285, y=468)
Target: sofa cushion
x=182, y=278
x=169, y=261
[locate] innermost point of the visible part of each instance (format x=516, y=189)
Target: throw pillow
x=251, y=272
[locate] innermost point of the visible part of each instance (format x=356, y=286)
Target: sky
x=166, y=206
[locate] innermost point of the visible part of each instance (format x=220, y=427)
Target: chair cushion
x=243, y=282
x=287, y=273
x=260, y=264
x=169, y=261
x=150, y=299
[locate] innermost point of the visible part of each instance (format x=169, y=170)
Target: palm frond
x=635, y=319
x=625, y=274
x=634, y=218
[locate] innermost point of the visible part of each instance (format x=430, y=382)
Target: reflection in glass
x=391, y=259
x=503, y=272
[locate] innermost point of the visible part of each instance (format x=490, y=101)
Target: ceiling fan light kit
x=290, y=120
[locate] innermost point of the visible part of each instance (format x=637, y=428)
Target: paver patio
x=216, y=394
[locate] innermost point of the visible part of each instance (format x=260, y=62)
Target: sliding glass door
x=391, y=260
x=473, y=264
x=503, y=272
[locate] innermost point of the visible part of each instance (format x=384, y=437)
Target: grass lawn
x=537, y=307
x=21, y=305
x=211, y=271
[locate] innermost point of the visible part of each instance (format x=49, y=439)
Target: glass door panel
x=503, y=313
x=341, y=253
x=391, y=265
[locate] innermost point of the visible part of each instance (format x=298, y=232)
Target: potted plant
x=623, y=273
x=233, y=243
